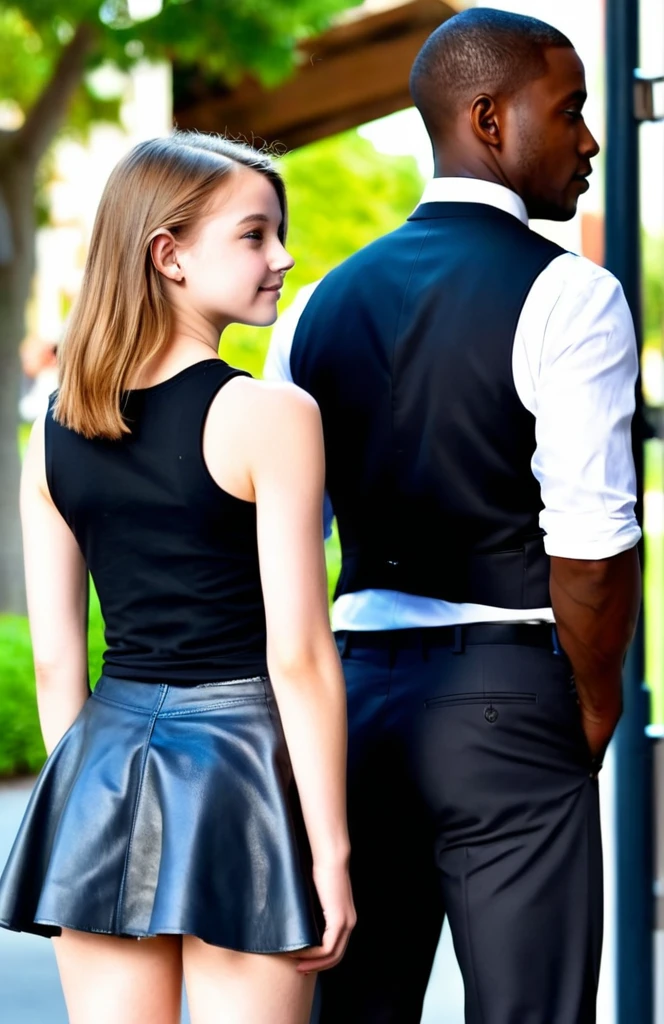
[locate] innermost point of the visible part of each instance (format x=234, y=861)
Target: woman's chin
x=265, y=319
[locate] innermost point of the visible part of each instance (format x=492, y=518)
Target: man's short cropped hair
x=480, y=50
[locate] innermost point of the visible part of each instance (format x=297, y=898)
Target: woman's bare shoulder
x=34, y=462
x=267, y=404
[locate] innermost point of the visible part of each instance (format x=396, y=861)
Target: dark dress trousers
x=472, y=791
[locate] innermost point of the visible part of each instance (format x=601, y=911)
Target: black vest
x=407, y=348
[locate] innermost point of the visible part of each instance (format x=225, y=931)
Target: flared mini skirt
x=167, y=810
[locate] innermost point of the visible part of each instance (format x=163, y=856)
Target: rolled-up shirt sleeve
x=583, y=401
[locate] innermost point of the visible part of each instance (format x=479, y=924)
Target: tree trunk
x=17, y=192
x=20, y=153
x=12, y=589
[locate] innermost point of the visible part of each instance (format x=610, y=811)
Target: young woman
x=197, y=797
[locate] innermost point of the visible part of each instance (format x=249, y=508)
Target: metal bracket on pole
x=648, y=97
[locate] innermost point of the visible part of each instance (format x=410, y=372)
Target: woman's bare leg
x=225, y=987
x=108, y=980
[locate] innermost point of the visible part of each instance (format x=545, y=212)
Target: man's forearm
x=596, y=606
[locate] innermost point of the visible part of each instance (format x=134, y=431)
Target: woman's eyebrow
x=253, y=216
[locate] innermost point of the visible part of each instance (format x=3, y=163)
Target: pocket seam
x=460, y=699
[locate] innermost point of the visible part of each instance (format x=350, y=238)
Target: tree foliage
x=653, y=285
x=223, y=37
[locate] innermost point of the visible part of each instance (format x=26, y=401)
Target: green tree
x=341, y=195
x=653, y=286
x=46, y=49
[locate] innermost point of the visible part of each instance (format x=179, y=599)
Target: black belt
x=522, y=634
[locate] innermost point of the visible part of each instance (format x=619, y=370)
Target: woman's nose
x=283, y=260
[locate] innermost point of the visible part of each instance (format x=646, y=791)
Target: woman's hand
x=336, y=899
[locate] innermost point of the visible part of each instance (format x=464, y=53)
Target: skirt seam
x=229, y=682
x=139, y=792
x=201, y=708
x=119, y=704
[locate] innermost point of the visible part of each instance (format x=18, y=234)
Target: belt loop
x=344, y=645
x=392, y=649
x=557, y=649
x=458, y=646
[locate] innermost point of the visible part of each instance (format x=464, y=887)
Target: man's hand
x=596, y=606
x=599, y=728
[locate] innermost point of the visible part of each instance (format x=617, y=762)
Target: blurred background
x=325, y=83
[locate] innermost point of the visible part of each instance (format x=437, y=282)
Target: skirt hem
x=45, y=923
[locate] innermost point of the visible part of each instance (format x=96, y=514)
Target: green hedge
x=21, y=747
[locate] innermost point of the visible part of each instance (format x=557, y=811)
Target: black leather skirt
x=167, y=810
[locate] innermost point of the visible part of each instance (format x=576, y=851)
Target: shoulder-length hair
x=122, y=317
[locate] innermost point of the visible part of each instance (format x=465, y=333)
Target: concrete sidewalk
x=29, y=986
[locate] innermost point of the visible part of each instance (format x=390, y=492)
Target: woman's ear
x=485, y=120
x=163, y=250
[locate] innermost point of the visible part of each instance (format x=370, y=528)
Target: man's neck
x=448, y=165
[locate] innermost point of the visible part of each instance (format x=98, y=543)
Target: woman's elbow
x=302, y=662
x=48, y=673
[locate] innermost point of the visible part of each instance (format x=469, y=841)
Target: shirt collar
x=475, y=190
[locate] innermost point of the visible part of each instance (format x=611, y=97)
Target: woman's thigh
x=106, y=979
x=233, y=988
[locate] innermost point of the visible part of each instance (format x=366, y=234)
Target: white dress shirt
x=575, y=366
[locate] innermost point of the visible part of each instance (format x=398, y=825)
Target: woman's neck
x=181, y=352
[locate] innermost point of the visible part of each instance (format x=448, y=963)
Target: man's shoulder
x=574, y=273
x=372, y=253
x=361, y=272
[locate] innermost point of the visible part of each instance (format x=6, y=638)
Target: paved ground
x=30, y=991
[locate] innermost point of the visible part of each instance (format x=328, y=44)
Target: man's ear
x=164, y=253
x=485, y=121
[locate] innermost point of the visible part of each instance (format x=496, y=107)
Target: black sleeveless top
x=173, y=557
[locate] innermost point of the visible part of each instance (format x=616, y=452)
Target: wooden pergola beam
x=352, y=74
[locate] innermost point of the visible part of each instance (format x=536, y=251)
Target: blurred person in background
x=39, y=362
x=196, y=799
x=476, y=385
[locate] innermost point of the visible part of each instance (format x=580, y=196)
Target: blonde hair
x=122, y=318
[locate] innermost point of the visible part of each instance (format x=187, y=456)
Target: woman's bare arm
x=56, y=580
x=287, y=470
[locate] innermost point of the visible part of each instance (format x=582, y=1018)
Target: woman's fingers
x=334, y=891
x=329, y=953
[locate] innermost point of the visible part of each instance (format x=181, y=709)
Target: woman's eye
x=255, y=236
x=575, y=115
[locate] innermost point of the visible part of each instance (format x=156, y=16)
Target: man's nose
x=589, y=145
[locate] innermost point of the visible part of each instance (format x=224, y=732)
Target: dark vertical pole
x=632, y=748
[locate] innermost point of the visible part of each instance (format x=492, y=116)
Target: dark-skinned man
x=476, y=384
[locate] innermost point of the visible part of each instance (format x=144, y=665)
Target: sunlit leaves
x=223, y=37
